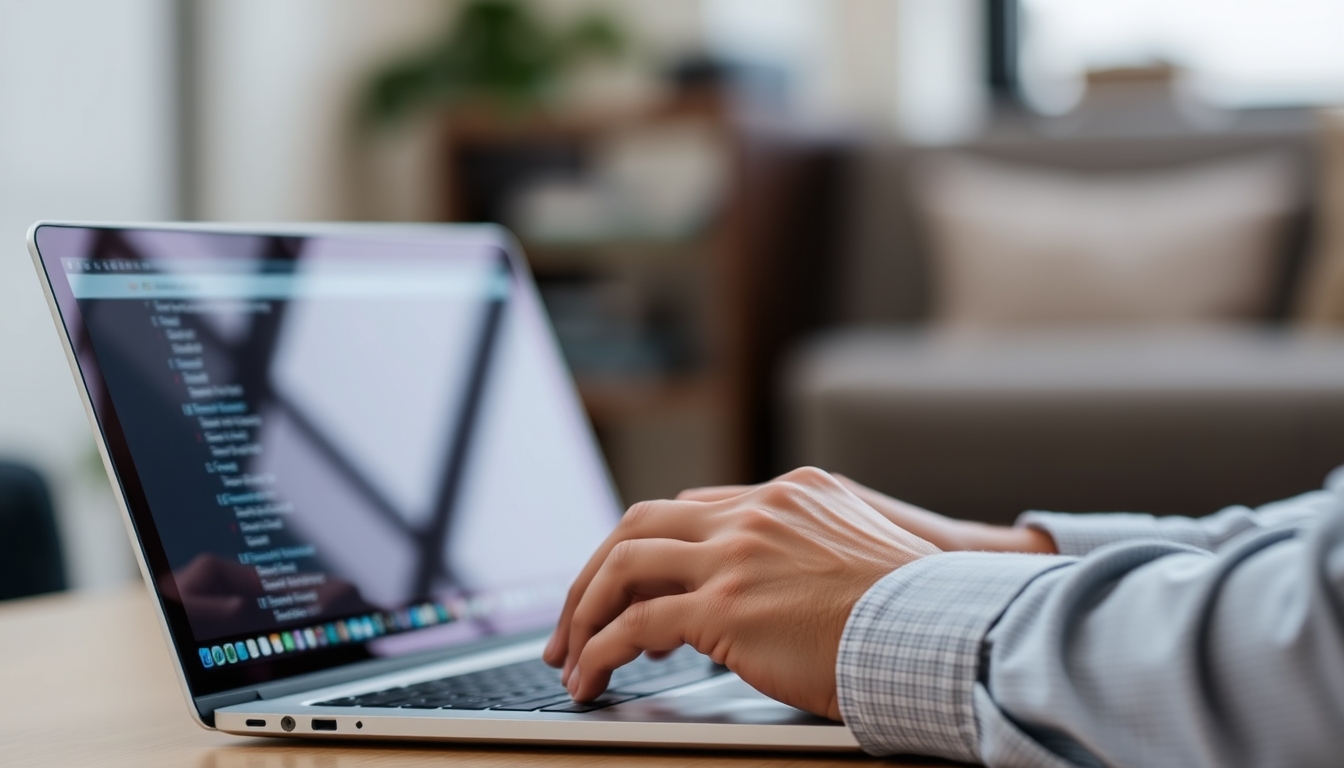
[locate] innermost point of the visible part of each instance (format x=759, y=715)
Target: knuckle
x=637, y=514
x=738, y=550
x=636, y=618
x=580, y=623
x=756, y=519
x=778, y=493
x=809, y=476
x=730, y=588
x=622, y=556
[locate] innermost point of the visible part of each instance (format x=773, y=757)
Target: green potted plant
x=495, y=55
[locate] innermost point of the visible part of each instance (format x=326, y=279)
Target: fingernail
x=550, y=646
x=573, y=685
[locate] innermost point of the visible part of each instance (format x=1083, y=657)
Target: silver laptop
x=359, y=481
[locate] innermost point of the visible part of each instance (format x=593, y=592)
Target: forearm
x=1144, y=654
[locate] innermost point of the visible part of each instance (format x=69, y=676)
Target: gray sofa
x=987, y=425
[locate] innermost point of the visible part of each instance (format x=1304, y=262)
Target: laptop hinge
x=206, y=705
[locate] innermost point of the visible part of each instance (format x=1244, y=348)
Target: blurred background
x=984, y=255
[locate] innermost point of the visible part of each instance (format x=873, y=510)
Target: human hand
x=946, y=533
x=762, y=582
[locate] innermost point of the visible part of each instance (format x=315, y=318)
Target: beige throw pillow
x=1014, y=246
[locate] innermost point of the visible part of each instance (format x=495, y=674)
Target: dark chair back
x=31, y=562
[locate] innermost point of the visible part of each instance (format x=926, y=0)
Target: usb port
x=256, y=723
x=324, y=725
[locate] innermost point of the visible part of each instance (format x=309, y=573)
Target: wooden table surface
x=86, y=680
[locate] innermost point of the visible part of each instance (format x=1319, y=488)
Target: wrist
x=998, y=538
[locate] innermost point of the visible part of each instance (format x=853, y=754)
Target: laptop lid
x=333, y=445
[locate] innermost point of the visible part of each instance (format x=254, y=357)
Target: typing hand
x=943, y=532
x=762, y=582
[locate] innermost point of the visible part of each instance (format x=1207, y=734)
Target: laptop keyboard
x=529, y=686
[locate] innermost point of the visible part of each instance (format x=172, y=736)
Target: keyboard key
x=665, y=682
x=529, y=705
x=605, y=700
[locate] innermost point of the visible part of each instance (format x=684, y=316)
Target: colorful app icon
x=240, y=648
x=368, y=627
x=207, y=660
x=332, y=637
x=231, y=653
x=264, y=645
x=218, y=654
x=300, y=641
x=253, y=649
x=276, y=644
x=288, y=641
x=343, y=631
x=310, y=637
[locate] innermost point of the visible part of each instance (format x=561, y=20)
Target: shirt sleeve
x=1141, y=653
x=1078, y=534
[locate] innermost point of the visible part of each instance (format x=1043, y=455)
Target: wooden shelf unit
x=662, y=430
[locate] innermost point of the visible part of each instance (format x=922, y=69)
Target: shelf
x=622, y=398
x=616, y=253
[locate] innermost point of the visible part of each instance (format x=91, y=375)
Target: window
x=1235, y=53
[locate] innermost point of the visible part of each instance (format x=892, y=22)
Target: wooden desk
x=85, y=680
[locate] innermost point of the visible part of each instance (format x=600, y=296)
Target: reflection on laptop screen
x=341, y=441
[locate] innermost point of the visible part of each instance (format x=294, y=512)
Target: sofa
x=984, y=417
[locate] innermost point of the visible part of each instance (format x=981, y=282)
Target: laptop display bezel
x=199, y=682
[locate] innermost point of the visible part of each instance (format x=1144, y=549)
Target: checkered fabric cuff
x=910, y=655
x=1078, y=534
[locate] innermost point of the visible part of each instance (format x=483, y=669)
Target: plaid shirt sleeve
x=1143, y=652
x=910, y=655
x=1078, y=534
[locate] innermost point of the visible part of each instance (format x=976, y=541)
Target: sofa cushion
x=988, y=426
x=1018, y=246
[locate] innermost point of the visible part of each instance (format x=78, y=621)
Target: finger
x=713, y=492
x=635, y=569
x=684, y=520
x=660, y=624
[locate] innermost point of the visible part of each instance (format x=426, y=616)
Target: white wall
x=278, y=81
x=85, y=132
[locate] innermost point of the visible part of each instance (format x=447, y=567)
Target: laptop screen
x=334, y=447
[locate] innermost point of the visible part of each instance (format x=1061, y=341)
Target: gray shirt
x=1216, y=641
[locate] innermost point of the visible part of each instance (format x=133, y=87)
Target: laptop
x=359, y=481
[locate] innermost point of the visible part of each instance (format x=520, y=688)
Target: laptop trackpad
x=728, y=701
